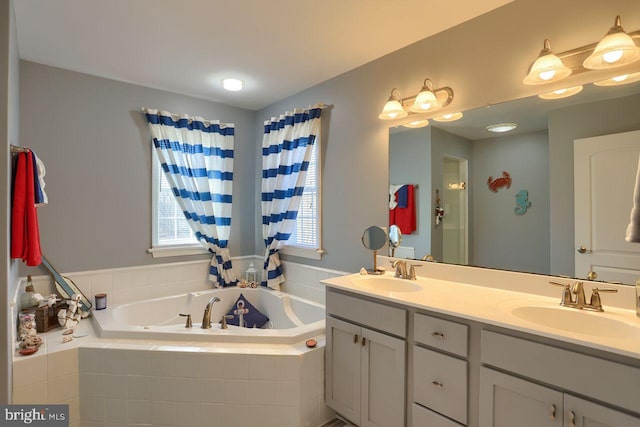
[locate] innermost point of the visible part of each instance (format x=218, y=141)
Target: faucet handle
x=188, y=316
x=412, y=271
x=567, y=298
x=595, y=302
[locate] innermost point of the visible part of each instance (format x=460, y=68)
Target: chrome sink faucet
x=206, y=318
x=595, y=303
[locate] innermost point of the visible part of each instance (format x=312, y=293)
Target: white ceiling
x=278, y=47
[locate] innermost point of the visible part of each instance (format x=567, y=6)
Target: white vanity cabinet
x=506, y=400
x=365, y=369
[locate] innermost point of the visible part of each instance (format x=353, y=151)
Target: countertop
x=496, y=307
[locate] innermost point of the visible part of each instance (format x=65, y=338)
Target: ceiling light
x=616, y=49
x=502, y=127
x=393, y=108
x=233, y=85
x=428, y=99
x=561, y=93
x=619, y=80
x=417, y=124
x=546, y=68
x=450, y=117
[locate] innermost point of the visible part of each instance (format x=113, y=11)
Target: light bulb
x=613, y=56
x=547, y=75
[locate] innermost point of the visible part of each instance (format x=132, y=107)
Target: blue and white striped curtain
x=287, y=144
x=197, y=158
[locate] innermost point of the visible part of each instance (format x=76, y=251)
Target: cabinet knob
x=364, y=341
x=437, y=384
x=572, y=419
x=552, y=412
x=437, y=335
x=355, y=339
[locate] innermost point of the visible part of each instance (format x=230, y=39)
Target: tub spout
x=206, y=318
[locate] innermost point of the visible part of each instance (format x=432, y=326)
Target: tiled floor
x=336, y=423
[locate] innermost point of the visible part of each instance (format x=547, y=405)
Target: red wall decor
x=503, y=182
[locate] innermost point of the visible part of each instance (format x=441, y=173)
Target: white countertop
x=495, y=307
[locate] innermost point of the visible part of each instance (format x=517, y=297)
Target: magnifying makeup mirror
x=374, y=238
x=395, y=239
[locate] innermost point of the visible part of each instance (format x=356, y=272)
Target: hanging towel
x=39, y=172
x=405, y=218
x=25, y=236
x=402, y=195
x=633, y=229
x=393, y=189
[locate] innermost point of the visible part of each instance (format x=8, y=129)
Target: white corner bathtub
x=291, y=319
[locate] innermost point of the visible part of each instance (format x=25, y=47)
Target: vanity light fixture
x=616, y=49
x=417, y=124
x=561, y=93
x=449, y=117
x=233, y=85
x=619, y=80
x=428, y=99
x=393, y=108
x=546, y=68
x=501, y=127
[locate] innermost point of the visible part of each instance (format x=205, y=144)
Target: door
x=455, y=235
x=507, y=401
x=582, y=413
x=604, y=178
x=383, y=380
x=343, y=368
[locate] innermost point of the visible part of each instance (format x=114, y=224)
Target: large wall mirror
x=506, y=200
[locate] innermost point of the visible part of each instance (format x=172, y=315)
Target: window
x=306, y=239
x=170, y=232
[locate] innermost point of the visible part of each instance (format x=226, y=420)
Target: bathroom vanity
x=438, y=353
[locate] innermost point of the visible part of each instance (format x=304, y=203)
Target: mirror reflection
x=374, y=238
x=465, y=195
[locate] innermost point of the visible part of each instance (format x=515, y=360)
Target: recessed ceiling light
x=450, y=117
x=233, y=85
x=501, y=127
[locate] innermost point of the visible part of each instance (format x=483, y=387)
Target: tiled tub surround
x=52, y=375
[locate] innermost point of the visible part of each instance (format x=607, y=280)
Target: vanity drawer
x=440, y=383
x=382, y=317
x=441, y=334
x=423, y=417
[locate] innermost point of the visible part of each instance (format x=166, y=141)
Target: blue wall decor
x=522, y=202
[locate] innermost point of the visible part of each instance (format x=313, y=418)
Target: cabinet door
x=383, y=380
x=582, y=413
x=343, y=368
x=507, y=401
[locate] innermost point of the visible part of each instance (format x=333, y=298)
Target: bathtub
x=291, y=319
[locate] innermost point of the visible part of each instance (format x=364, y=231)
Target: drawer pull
x=355, y=339
x=572, y=419
x=364, y=341
x=552, y=412
x=437, y=384
x=437, y=335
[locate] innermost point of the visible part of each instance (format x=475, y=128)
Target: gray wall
x=355, y=148
x=9, y=131
x=94, y=141
x=503, y=239
x=409, y=163
x=566, y=125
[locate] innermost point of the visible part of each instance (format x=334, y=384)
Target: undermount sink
x=386, y=284
x=577, y=321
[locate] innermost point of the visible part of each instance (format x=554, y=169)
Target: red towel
x=405, y=218
x=25, y=236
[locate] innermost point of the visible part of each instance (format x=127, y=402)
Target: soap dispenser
x=28, y=298
x=250, y=274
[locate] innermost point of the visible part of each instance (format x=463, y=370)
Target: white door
x=604, y=178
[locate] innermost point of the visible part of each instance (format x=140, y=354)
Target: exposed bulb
x=613, y=56
x=547, y=75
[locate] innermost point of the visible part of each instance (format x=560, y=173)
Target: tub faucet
x=206, y=318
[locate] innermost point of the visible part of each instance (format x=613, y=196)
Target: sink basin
x=578, y=321
x=386, y=284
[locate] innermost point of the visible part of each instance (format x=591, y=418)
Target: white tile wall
x=121, y=387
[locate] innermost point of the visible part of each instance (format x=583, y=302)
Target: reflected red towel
x=405, y=218
x=25, y=236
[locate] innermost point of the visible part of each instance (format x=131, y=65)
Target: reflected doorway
x=455, y=236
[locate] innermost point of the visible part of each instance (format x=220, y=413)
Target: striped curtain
x=197, y=158
x=286, y=149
